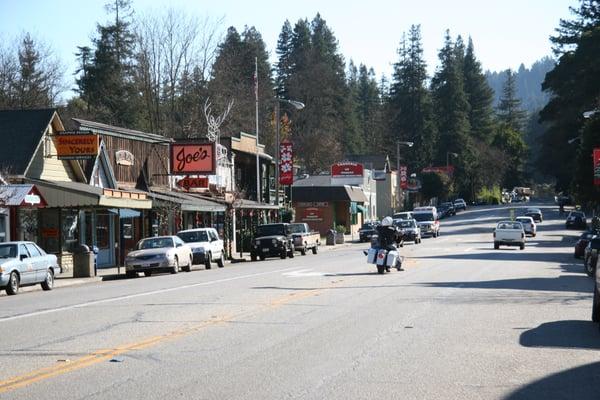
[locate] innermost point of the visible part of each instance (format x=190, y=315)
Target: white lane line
x=301, y=273
x=133, y=296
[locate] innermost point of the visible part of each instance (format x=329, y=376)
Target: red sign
x=286, y=163
x=347, y=170
x=188, y=183
x=313, y=214
x=403, y=177
x=193, y=158
x=597, y=166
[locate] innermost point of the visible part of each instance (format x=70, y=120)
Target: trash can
x=83, y=262
x=331, y=234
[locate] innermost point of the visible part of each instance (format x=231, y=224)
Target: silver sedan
x=24, y=264
x=159, y=254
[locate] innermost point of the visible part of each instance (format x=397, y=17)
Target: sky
x=505, y=33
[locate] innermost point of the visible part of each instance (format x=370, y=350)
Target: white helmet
x=387, y=221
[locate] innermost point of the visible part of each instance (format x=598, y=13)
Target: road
x=461, y=322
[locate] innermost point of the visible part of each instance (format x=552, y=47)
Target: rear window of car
x=193, y=236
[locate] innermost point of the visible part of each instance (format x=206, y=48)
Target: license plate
x=265, y=250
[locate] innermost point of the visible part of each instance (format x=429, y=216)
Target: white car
x=403, y=215
x=24, y=264
x=509, y=233
x=529, y=225
x=158, y=254
x=460, y=204
x=206, y=246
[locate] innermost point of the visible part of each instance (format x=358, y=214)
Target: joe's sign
x=193, y=159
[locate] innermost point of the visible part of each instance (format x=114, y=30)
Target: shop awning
x=26, y=195
x=186, y=201
x=244, y=204
x=125, y=212
x=76, y=194
x=328, y=193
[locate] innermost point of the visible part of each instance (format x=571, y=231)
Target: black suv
x=576, y=219
x=272, y=240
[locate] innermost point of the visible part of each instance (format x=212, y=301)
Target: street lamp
x=448, y=154
x=398, y=143
x=298, y=106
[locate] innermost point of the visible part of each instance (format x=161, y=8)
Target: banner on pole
x=597, y=166
x=286, y=163
x=403, y=177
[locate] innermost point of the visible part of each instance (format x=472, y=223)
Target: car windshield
x=510, y=225
x=270, y=230
x=193, y=236
x=533, y=211
x=421, y=217
x=297, y=228
x=524, y=220
x=8, y=250
x=406, y=224
x=155, y=243
x=368, y=226
x=576, y=214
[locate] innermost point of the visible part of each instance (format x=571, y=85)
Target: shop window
x=2, y=228
x=49, y=230
x=70, y=229
x=28, y=224
x=103, y=231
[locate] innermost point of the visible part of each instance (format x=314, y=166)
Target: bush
x=341, y=229
x=491, y=195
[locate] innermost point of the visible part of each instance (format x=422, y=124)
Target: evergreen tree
x=31, y=89
x=509, y=109
x=409, y=104
x=369, y=111
x=452, y=115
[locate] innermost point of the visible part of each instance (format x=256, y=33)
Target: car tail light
x=494, y=233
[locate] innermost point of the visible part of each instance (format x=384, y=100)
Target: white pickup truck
x=509, y=233
x=304, y=238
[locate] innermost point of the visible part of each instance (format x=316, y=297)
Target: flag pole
x=258, y=194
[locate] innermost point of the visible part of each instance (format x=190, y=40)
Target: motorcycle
x=383, y=258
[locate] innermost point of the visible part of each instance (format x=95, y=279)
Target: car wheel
x=303, y=250
x=253, y=257
x=13, y=284
x=283, y=254
x=188, y=268
x=291, y=253
x=596, y=305
x=496, y=246
x=48, y=283
x=221, y=261
x=261, y=258
x=522, y=246
x=175, y=268
x=380, y=269
x=315, y=249
x=416, y=240
x=208, y=261
x=131, y=274
x=589, y=268
x=147, y=273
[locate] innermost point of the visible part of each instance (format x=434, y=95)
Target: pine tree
x=509, y=109
x=31, y=89
x=369, y=111
x=409, y=104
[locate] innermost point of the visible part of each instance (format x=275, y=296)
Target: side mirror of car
x=23, y=256
x=178, y=245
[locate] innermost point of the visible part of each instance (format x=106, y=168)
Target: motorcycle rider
x=388, y=236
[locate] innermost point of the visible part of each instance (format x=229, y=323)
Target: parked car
x=582, y=243
x=403, y=215
x=460, y=204
x=366, y=231
x=590, y=256
x=206, y=246
x=596, y=300
x=577, y=220
x=159, y=254
x=509, y=233
x=529, y=225
x=272, y=240
x=535, y=213
x=409, y=230
x=305, y=239
x=446, y=210
x=428, y=221
x=25, y=264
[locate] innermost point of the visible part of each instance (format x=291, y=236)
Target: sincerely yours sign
x=76, y=145
x=193, y=159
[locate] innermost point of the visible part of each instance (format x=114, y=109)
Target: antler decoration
x=214, y=124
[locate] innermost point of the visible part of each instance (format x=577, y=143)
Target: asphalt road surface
x=463, y=321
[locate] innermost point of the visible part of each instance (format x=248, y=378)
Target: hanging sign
x=403, y=177
x=597, y=166
x=188, y=183
x=193, y=158
x=76, y=145
x=347, y=170
x=124, y=157
x=286, y=163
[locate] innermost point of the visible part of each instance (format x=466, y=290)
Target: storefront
x=19, y=217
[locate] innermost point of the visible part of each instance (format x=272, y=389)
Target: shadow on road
x=571, y=334
x=581, y=383
x=562, y=283
x=504, y=254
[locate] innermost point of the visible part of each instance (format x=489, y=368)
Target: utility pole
x=398, y=143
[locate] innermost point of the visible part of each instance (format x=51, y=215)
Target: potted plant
x=341, y=231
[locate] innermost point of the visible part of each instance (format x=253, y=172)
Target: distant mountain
x=529, y=84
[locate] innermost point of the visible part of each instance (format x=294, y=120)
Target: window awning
x=76, y=194
x=186, y=201
x=26, y=195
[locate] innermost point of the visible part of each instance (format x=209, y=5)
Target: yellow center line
x=107, y=354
